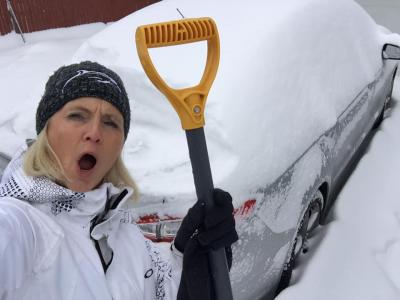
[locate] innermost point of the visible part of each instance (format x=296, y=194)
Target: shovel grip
x=178, y=32
x=189, y=103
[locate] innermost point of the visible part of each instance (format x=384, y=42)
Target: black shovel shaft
x=204, y=190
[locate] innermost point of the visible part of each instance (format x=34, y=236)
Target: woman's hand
x=214, y=228
x=203, y=230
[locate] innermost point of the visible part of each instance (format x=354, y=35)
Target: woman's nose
x=93, y=133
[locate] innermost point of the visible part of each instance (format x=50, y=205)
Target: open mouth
x=87, y=162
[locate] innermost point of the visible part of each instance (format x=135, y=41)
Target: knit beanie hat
x=86, y=79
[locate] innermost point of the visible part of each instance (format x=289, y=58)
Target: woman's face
x=87, y=136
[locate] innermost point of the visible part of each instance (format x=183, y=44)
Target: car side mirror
x=391, y=52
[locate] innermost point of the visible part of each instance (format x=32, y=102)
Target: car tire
x=308, y=223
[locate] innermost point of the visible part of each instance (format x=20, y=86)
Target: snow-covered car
x=300, y=86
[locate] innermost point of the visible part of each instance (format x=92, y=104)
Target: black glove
x=200, y=232
x=213, y=229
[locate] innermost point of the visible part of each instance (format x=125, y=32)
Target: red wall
x=34, y=15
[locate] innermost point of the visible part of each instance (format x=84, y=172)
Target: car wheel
x=307, y=224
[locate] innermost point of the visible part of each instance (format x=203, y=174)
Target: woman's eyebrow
x=106, y=115
x=81, y=108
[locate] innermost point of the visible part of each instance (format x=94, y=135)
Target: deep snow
x=290, y=101
x=286, y=44
x=354, y=257
x=24, y=72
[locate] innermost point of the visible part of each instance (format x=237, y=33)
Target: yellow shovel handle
x=189, y=102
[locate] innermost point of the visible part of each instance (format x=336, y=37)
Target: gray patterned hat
x=86, y=79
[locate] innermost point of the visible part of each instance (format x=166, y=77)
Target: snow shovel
x=189, y=103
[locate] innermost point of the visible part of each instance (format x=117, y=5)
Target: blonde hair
x=41, y=160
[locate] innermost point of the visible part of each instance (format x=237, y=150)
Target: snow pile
x=248, y=128
x=388, y=260
x=24, y=72
x=276, y=72
x=359, y=250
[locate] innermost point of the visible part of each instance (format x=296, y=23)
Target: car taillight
x=160, y=230
x=164, y=230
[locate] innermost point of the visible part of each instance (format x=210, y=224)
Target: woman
x=66, y=222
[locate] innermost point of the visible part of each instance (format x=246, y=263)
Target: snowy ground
x=354, y=257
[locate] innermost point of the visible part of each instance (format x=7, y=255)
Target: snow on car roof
x=287, y=70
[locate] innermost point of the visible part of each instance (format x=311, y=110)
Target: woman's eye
x=111, y=124
x=76, y=116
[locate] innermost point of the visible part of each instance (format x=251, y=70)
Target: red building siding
x=5, y=24
x=34, y=15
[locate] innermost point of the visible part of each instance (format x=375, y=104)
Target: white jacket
x=46, y=249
